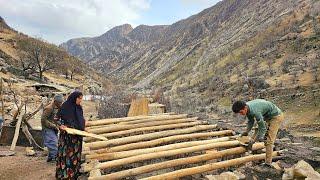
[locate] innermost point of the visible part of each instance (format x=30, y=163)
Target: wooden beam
x=209, y=167
x=142, y=137
x=125, y=119
x=179, y=162
x=146, y=129
x=119, y=127
x=17, y=130
x=160, y=141
x=1, y=98
x=143, y=157
x=124, y=154
x=153, y=119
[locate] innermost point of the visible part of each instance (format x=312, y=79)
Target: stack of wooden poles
x=143, y=145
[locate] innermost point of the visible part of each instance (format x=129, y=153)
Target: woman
x=70, y=146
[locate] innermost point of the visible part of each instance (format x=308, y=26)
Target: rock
x=240, y=175
x=277, y=166
x=301, y=170
x=30, y=151
x=226, y=176
x=315, y=149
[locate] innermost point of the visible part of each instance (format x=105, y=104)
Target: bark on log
x=178, y=162
x=119, y=127
x=124, y=154
x=155, y=155
x=103, y=144
x=209, y=167
x=159, y=141
x=125, y=119
x=144, y=129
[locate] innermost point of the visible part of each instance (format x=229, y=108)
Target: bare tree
x=38, y=55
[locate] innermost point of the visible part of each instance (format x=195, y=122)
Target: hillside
x=60, y=72
x=235, y=49
x=15, y=48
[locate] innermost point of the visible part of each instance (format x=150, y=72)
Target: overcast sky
x=60, y=20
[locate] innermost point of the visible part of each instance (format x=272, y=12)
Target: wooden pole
x=145, y=129
x=119, y=127
x=124, y=154
x=142, y=137
x=125, y=119
x=143, y=157
x=2, y=102
x=209, y=167
x=178, y=162
x=152, y=120
x=17, y=130
x=159, y=141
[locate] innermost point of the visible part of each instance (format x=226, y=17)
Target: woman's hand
x=62, y=127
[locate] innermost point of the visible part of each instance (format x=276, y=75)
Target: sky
x=57, y=21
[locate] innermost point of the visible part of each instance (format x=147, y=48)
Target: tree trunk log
x=119, y=127
x=144, y=129
x=159, y=141
x=124, y=154
x=209, y=167
x=125, y=119
x=179, y=162
x=155, y=155
x=142, y=137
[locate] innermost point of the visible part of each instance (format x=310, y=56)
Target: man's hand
x=244, y=133
x=62, y=127
x=250, y=144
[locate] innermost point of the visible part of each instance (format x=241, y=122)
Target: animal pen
x=161, y=146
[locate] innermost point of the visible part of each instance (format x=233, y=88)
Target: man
x=50, y=127
x=268, y=116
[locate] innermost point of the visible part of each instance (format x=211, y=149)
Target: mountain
x=235, y=49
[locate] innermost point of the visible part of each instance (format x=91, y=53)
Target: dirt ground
x=25, y=167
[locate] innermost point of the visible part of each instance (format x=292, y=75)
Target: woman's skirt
x=69, y=156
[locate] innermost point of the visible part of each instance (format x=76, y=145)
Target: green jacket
x=262, y=111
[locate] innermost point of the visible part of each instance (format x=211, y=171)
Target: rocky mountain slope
x=235, y=49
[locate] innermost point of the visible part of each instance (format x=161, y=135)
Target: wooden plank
x=104, y=144
x=160, y=141
x=139, y=106
x=179, y=162
x=143, y=157
x=84, y=133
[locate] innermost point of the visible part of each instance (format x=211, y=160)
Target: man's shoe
x=51, y=160
x=266, y=165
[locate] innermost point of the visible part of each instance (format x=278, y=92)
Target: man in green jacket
x=268, y=117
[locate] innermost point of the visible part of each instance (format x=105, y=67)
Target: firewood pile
x=162, y=146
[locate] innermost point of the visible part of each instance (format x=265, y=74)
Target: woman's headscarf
x=71, y=113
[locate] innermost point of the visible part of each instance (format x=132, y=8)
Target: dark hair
x=73, y=96
x=238, y=105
